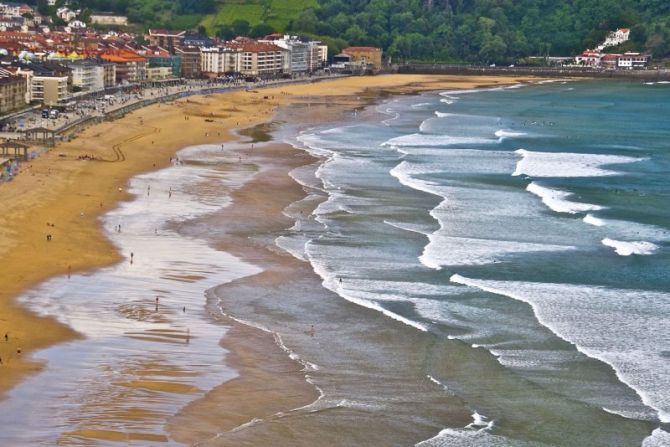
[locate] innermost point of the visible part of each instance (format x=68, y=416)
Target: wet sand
x=72, y=194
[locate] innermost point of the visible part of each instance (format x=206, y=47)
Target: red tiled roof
x=121, y=56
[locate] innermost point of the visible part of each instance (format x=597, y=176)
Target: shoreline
x=73, y=194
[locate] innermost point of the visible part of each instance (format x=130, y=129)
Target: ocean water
x=531, y=224
x=486, y=267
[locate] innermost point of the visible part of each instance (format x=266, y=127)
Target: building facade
x=190, y=62
x=130, y=66
x=261, y=58
x=216, y=61
x=12, y=93
x=167, y=39
x=107, y=19
x=365, y=55
x=87, y=75
x=632, y=61
x=49, y=90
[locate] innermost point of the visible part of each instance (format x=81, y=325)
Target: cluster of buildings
x=52, y=65
x=597, y=58
x=48, y=64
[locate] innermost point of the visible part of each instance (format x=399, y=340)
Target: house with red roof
x=130, y=66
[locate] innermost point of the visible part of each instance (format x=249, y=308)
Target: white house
x=632, y=60
x=66, y=14
x=615, y=38
x=589, y=58
x=77, y=24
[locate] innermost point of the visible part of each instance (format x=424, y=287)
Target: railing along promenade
x=647, y=75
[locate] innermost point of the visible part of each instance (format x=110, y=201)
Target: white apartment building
x=632, y=60
x=304, y=55
x=87, y=75
x=215, y=61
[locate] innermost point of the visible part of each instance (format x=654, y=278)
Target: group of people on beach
x=18, y=348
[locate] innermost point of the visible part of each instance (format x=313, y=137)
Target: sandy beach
x=62, y=196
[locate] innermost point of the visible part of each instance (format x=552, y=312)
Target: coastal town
x=56, y=74
x=52, y=77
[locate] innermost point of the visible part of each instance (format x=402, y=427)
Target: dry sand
x=71, y=194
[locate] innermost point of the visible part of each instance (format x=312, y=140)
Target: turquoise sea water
x=530, y=223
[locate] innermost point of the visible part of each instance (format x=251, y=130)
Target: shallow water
x=151, y=340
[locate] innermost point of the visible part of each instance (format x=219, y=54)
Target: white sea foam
x=448, y=101
x=501, y=133
x=592, y=220
x=565, y=164
x=330, y=282
x=437, y=382
x=658, y=438
x=443, y=250
x=557, y=200
x=451, y=93
x=475, y=434
x=594, y=319
x=627, y=248
x=629, y=230
x=413, y=228
x=480, y=422
x=463, y=437
x=420, y=140
x=421, y=105
x=442, y=114
x=403, y=172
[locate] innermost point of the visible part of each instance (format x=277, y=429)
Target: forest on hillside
x=481, y=31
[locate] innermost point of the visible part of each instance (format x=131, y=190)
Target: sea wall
x=560, y=72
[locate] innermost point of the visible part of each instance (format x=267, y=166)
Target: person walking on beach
x=6, y=337
x=132, y=255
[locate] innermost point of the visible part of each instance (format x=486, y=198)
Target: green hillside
x=277, y=14
x=479, y=31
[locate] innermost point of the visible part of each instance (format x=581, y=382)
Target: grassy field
x=276, y=13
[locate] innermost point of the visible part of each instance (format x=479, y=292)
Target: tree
x=225, y=32
x=307, y=22
x=355, y=35
x=240, y=27
x=261, y=30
